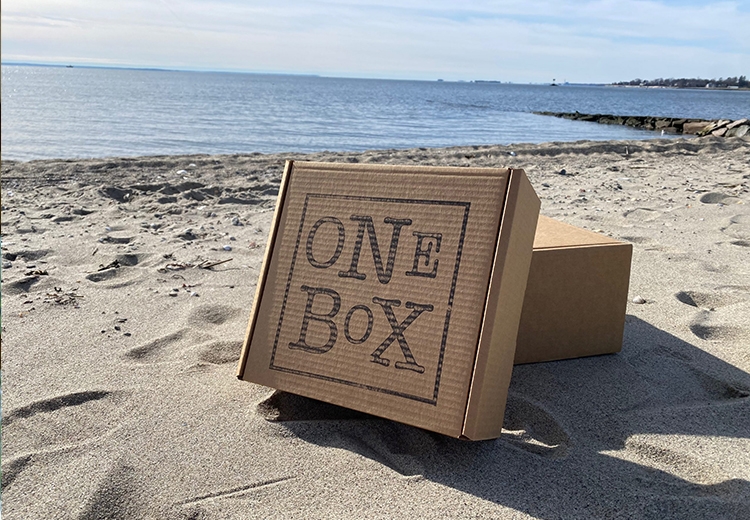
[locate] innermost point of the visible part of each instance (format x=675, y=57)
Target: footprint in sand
x=709, y=300
x=170, y=348
x=220, y=352
x=642, y=214
x=531, y=428
x=59, y=423
x=709, y=326
x=681, y=377
x=738, y=227
x=115, y=278
x=121, y=272
x=20, y=286
x=719, y=198
x=193, y=344
x=636, y=240
x=205, y=317
x=712, y=322
x=208, y=315
x=133, y=259
x=30, y=255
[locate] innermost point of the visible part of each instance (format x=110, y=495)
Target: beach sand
x=121, y=340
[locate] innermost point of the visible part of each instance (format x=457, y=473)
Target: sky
x=522, y=41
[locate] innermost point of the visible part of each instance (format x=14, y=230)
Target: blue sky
x=515, y=40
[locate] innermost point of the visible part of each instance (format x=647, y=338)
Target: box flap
x=497, y=343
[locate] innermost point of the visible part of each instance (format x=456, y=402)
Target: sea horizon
x=61, y=111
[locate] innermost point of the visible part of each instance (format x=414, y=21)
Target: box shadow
x=564, y=424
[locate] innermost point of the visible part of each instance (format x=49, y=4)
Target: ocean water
x=58, y=112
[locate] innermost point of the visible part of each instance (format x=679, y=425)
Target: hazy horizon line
x=270, y=73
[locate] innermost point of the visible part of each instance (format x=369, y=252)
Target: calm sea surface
x=57, y=112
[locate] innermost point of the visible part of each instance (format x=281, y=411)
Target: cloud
x=534, y=40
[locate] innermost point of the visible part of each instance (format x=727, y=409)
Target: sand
x=121, y=331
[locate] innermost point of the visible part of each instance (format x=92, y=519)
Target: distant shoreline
x=676, y=88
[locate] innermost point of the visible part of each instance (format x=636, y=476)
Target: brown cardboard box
x=576, y=294
x=395, y=291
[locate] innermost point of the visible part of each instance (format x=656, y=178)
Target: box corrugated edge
x=488, y=390
x=264, y=267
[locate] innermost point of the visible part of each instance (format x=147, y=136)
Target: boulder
x=736, y=123
x=710, y=127
x=663, y=123
x=694, y=127
x=738, y=131
x=634, y=122
x=719, y=132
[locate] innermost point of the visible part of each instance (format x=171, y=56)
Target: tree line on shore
x=739, y=82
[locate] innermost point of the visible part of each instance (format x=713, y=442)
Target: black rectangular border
x=459, y=252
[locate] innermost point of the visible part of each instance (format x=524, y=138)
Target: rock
x=694, y=127
x=738, y=131
x=719, y=132
x=737, y=123
x=662, y=123
x=639, y=300
x=634, y=121
x=227, y=248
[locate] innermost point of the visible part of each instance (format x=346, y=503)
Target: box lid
x=375, y=285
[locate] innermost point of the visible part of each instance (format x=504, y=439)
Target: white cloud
x=535, y=40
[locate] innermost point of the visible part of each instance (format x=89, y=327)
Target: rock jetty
x=668, y=125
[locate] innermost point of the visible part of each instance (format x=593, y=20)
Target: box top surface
x=553, y=234
x=374, y=286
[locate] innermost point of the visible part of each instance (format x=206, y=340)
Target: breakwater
x=667, y=125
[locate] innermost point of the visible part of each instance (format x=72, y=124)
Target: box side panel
x=575, y=303
x=497, y=343
x=264, y=268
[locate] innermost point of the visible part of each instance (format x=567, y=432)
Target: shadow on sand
x=563, y=422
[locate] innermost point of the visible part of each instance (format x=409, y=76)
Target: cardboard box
x=576, y=294
x=395, y=291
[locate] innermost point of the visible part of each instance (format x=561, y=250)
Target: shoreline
x=496, y=150
x=127, y=284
